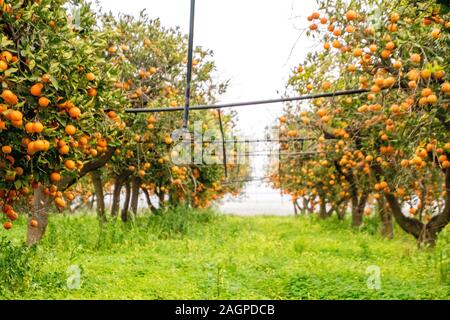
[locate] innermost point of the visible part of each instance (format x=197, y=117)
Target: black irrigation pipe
x=256, y=154
x=250, y=103
x=257, y=141
x=189, y=65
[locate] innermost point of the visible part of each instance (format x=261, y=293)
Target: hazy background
x=256, y=44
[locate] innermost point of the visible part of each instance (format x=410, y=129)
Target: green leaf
x=10, y=71
x=18, y=184
x=5, y=42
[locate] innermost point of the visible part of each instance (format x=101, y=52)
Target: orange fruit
x=64, y=150
x=6, y=56
x=351, y=15
x=36, y=89
x=43, y=102
x=395, y=17
x=357, y=52
x=90, y=76
x=7, y=225
x=60, y=203
x=6, y=149
x=3, y=66
x=15, y=115
x=92, y=92
x=55, y=177
x=445, y=87
x=71, y=130
x=74, y=112
x=10, y=97
x=70, y=164
x=38, y=127
x=34, y=223
x=112, y=114
x=45, y=78
x=415, y=58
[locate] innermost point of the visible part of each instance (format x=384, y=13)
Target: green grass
x=201, y=255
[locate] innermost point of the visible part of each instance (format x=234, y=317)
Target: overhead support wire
x=248, y=103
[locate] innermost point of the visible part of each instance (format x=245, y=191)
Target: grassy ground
x=199, y=255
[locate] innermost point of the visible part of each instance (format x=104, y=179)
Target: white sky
x=252, y=41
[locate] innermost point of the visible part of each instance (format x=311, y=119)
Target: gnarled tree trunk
x=126, y=203
x=387, y=227
x=98, y=189
x=358, y=206
x=135, y=187
x=118, y=184
x=40, y=207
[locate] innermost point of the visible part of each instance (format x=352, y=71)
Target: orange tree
x=56, y=84
x=152, y=65
x=397, y=134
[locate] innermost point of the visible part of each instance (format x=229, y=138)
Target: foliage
x=225, y=257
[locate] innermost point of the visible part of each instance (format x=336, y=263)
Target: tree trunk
x=323, y=213
x=135, y=187
x=118, y=184
x=387, y=227
x=126, y=203
x=341, y=213
x=116, y=198
x=429, y=232
x=41, y=204
x=98, y=189
x=149, y=201
x=358, y=206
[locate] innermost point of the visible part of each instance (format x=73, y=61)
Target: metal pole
x=189, y=65
x=250, y=103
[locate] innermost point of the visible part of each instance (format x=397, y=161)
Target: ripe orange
x=45, y=78
x=38, y=127
x=34, y=223
x=395, y=17
x=351, y=15
x=416, y=58
x=60, y=203
x=436, y=33
x=112, y=114
x=102, y=143
x=6, y=56
x=74, y=112
x=445, y=87
x=397, y=64
x=90, y=76
x=15, y=115
x=36, y=89
x=7, y=225
x=71, y=130
x=10, y=97
x=3, y=66
x=385, y=54
x=43, y=102
x=6, y=149
x=70, y=164
x=55, y=177
x=64, y=150
x=92, y=92
x=141, y=173
x=357, y=52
